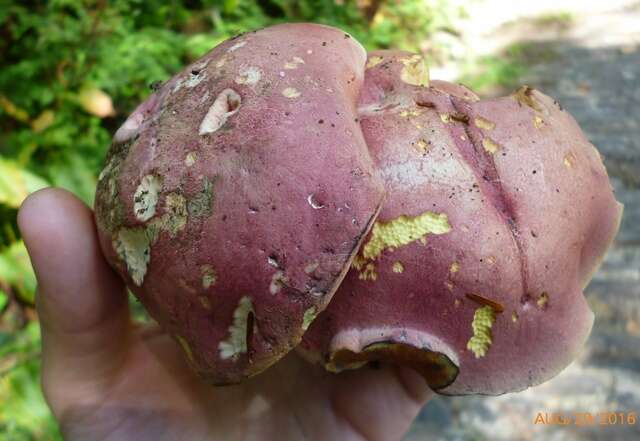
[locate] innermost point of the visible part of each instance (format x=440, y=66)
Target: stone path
x=593, y=70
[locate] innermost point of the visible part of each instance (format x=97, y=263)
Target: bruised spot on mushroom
x=278, y=280
x=308, y=317
x=146, y=197
x=415, y=71
x=406, y=113
x=397, y=267
x=201, y=205
x=237, y=46
x=236, y=343
x=435, y=367
x=543, y=300
x=454, y=267
x=174, y=218
x=422, y=145
x=395, y=233
x=374, y=61
x=185, y=347
x=524, y=96
x=569, y=160
x=226, y=105
x=294, y=63
x=538, y=122
x=291, y=92
x=133, y=246
x=490, y=145
x=403, y=230
x=209, y=277
x=483, y=123
x=367, y=269
x=483, y=320
x=190, y=159
x=249, y=76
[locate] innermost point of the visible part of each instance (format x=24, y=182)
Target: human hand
x=107, y=378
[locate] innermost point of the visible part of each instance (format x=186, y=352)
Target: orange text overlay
x=604, y=418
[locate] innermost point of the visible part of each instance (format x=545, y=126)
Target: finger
x=380, y=403
x=81, y=302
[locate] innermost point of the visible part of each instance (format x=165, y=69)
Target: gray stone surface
x=600, y=87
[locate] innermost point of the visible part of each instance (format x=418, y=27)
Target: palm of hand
x=106, y=379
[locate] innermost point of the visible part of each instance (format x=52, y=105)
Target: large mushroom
x=235, y=200
x=497, y=215
x=235, y=197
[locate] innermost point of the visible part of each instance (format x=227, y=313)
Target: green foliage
x=23, y=414
x=70, y=72
x=15, y=269
x=503, y=72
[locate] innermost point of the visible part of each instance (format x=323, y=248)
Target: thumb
x=81, y=302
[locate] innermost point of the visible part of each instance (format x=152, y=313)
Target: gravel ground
x=596, y=77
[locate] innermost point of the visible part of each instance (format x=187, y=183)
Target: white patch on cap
x=194, y=80
x=190, y=159
x=133, y=247
x=310, y=268
x=415, y=71
x=226, y=104
x=277, y=282
x=145, y=198
x=221, y=62
x=106, y=170
x=237, y=46
x=209, y=276
x=250, y=76
x=293, y=63
x=237, y=342
x=291, y=92
x=130, y=128
x=374, y=61
x=178, y=85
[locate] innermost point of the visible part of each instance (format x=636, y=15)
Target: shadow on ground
x=601, y=89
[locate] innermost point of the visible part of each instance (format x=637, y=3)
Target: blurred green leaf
x=73, y=173
x=24, y=414
x=4, y=300
x=15, y=271
x=16, y=183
